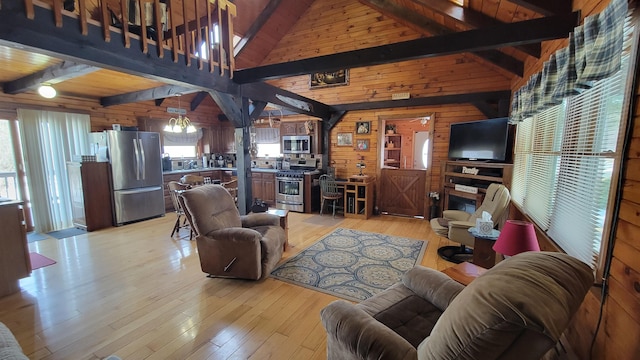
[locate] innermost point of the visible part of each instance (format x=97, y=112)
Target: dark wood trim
x=146, y=95
x=473, y=19
x=255, y=27
x=229, y=107
x=486, y=108
x=519, y=33
x=429, y=26
x=545, y=7
x=197, y=100
x=492, y=96
x=269, y=93
x=256, y=110
x=52, y=75
x=68, y=43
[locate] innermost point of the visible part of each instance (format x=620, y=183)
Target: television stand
x=461, y=172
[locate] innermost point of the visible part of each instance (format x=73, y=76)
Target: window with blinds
x=564, y=162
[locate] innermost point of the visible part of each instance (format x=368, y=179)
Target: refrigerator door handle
x=143, y=162
x=136, y=159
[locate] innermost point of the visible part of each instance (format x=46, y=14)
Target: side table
x=284, y=224
x=465, y=272
x=483, y=253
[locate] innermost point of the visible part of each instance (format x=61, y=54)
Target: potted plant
x=391, y=129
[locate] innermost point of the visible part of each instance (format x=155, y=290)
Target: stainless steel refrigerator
x=136, y=168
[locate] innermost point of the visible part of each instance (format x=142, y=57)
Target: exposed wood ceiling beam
x=425, y=24
x=256, y=109
x=227, y=103
x=493, y=96
x=197, y=100
x=68, y=43
x=256, y=26
x=519, y=33
x=146, y=95
x=473, y=19
x=546, y=7
x=486, y=108
x=300, y=104
x=66, y=70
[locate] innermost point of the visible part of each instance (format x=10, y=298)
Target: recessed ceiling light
x=47, y=91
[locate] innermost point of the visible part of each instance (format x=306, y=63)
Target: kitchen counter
x=186, y=171
x=264, y=170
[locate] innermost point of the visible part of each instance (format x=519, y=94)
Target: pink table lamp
x=516, y=237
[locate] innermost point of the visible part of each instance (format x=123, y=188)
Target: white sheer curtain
x=50, y=139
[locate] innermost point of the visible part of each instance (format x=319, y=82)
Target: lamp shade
x=515, y=237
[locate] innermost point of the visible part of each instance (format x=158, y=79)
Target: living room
x=136, y=259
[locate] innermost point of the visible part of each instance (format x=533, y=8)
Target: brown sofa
x=230, y=245
x=9, y=347
x=517, y=310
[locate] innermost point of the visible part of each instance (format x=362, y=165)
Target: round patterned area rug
x=352, y=264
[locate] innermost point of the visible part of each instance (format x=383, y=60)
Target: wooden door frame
x=382, y=119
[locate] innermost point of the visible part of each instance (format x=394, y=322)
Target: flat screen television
x=485, y=140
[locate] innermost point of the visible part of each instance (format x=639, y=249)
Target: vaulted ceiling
x=261, y=24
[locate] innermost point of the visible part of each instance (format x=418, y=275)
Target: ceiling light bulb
x=47, y=91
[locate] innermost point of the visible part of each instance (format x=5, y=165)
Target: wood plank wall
x=346, y=26
x=620, y=329
x=127, y=115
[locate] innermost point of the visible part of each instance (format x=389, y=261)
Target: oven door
x=289, y=194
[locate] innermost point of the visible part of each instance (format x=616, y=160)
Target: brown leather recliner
x=230, y=245
x=515, y=311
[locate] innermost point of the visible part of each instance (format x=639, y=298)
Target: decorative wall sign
x=345, y=139
x=363, y=127
x=328, y=79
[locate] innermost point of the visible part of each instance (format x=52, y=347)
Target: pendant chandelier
x=181, y=123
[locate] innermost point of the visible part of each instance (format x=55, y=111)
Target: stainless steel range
x=290, y=190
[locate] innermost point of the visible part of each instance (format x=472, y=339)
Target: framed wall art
x=328, y=79
x=363, y=127
x=345, y=139
x=362, y=144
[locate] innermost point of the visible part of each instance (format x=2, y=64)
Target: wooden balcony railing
x=188, y=27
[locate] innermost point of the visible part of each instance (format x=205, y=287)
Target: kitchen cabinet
x=91, y=206
x=263, y=187
x=227, y=139
x=15, y=263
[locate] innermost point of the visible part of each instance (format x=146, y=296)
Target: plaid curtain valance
x=594, y=53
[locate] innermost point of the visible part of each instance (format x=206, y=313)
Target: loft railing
x=178, y=26
x=9, y=185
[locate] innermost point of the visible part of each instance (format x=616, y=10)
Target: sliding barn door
x=402, y=191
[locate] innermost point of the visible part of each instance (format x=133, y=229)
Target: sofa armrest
x=259, y=219
x=354, y=334
x=456, y=215
x=432, y=285
x=9, y=347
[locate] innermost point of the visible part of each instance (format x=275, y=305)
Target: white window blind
x=564, y=162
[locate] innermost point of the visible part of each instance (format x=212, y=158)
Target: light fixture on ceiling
x=424, y=120
x=181, y=123
x=47, y=91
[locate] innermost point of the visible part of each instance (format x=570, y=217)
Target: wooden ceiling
x=262, y=23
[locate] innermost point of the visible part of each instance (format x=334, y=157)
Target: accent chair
x=455, y=224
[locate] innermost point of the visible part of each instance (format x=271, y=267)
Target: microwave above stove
x=296, y=144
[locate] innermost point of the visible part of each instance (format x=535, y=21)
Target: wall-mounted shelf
x=392, y=150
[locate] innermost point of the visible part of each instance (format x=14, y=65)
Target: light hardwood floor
x=135, y=292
